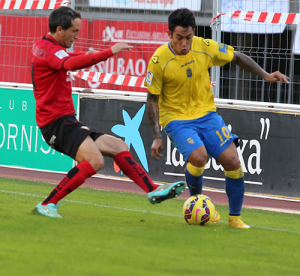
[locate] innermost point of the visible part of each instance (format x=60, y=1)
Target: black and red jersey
x=51, y=82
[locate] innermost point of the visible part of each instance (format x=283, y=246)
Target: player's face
x=71, y=34
x=181, y=39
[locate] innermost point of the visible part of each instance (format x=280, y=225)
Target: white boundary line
x=275, y=197
x=138, y=210
x=213, y=178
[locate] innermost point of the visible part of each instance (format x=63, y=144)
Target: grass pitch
x=110, y=233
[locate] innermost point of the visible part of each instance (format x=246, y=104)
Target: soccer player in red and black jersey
x=55, y=114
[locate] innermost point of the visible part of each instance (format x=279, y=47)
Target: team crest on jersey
x=190, y=141
x=149, y=77
x=223, y=48
x=206, y=41
x=189, y=72
x=155, y=59
x=61, y=54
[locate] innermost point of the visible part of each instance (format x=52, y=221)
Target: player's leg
x=195, y=169
x=234, y=182
x=194, y=174
x=118, y=150
x=184, y=137
x=74, y=141
x=221, y=144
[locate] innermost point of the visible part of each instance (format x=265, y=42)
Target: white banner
x=296, y=46
x=241, y=26
x=194, y=5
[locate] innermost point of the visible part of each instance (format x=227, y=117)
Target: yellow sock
x=236, y=174
x=195, y=171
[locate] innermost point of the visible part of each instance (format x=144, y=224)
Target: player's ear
x=59, y=29
x=170, y=34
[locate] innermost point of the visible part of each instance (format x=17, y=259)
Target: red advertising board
x=18, y=34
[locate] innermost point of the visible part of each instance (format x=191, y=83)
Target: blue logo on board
x=130, y=131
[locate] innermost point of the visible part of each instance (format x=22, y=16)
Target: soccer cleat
x=166, y=191
x=49, y=210
x=216, y=218
x=236, y=221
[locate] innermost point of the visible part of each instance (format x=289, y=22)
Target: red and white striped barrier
x=32, y=4
x=263, y=17
x=111, y=78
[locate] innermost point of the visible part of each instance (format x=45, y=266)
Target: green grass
x=110, y=233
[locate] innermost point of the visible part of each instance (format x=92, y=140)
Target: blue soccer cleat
x=49, y=210
x=166, y=191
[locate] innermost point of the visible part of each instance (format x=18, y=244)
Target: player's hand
x=120, y=47
x=277, y=76
x=91, y=51
x=156, y=148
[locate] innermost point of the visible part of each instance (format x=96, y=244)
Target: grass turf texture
x=110, y=233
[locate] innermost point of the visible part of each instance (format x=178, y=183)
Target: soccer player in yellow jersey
x=180, y=99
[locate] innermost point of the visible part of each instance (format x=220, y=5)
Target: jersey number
x=225, y=132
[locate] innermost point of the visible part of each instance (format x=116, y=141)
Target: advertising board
x=269, y=145
x=21, y=141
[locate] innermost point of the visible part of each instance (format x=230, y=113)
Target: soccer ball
x=198, y=210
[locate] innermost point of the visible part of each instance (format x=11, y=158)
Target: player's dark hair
x=181, y=17
x=63, y=17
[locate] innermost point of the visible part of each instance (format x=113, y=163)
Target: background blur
x=143, y=23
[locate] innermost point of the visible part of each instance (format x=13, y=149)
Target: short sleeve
x=56, y=57
x=221, y=53
x=154, y=76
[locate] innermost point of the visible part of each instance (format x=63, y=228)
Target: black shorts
x=66, y=134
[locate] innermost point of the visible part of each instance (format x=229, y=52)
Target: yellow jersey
x=182, y=81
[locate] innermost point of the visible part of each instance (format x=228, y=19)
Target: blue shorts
x=209, y=130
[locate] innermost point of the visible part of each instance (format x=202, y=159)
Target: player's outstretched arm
x=153, y=115
x=93, y=57
x=115, y=49
x=250, y=65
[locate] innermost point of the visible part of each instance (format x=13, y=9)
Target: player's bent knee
x=121, y=145
x=97, y=164
x=198, y=161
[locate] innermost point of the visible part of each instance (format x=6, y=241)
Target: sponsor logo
x=154, y=59
x=52, y=141
x=223, y=48
x=191, y=141
x=44, y=209
x=85, y=127
x=189, y=72
x=61, y=54
x=197, y=212
x=110, y=33
x=206, y=41
x=149, y=77
x=38, y=52
x=132, y=136
x=187, y=63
